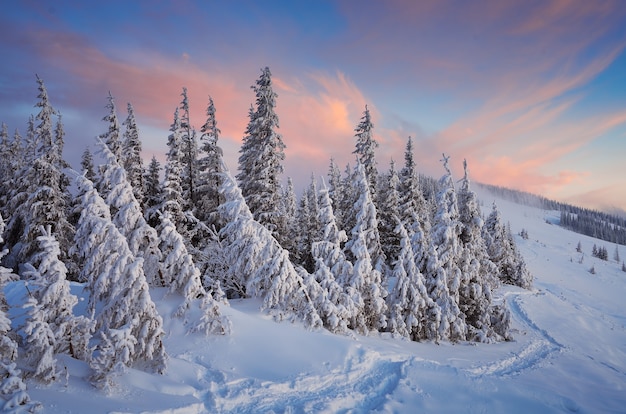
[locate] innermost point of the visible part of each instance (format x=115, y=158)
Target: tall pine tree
x=261, y=158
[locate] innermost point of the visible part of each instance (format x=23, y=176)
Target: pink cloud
x=318, y=111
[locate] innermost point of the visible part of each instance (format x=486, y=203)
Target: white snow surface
x=568, y=353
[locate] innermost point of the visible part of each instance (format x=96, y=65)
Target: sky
x=531, y=93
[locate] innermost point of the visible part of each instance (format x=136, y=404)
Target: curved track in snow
x=531, y=355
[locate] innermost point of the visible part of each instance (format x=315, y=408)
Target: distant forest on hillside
x=603, y=226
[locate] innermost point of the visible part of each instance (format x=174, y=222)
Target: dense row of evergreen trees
x=363, y=251
x=597, y=224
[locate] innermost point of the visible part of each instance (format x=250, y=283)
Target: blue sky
x=532, y=93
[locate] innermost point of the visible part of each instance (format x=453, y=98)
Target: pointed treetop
x=445, y=161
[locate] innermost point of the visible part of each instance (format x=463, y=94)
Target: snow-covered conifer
x=39, y=343
x=445, y=238
x=503, y=251
x=366, y=220
x=389, y=214
x=334, y=184
x=113, y=354
x=153, y=196
x=173, y=201
x=54, y=299
x=87, y=166
x=479, y=270
x=13, y=395
x=132, y=307
x=40, y=197
x=142, y=239
x=364, y=244
x=44, y=131
x=131, y=157
x=182, y=276
x=260, y=267
x=112, y=137
x=308, y=232
x=8, y=344
x=412, y=312
x=189, y=155
x=413, y=209
x=289, y=208
x=334, y=305
x=209, y=169
x=119, y=296
x=261, y=157
x=365, y=150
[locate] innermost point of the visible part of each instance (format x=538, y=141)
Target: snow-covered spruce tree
x=413, y=314
x=39, y=343
x=87, y=166
x=301, y=253
x=55, y=302
x=13, y=395
x=334, y=186
x=209, y=169
x=481, y=273
x=413, y=210
x=335, y=306
x=119, y=296
x=261, y=157
x=503, y=251
x=142, y=239
x=445, y=240
x=389, y=214
x=172, y=195
x=13, y=163
x=131, y=156
x=308, y=231
x=329, y=247
x=364, y=244
x=189, y=152
x=289, y=211
x=6, y=172
x=366, y=220
x=112, y=356
x=183, y=277
x=153, y=192
x=112, y=139
x=365, y=151
x=344, y=211
x=8, y=344
x=41, y=198
x=178, y=187
x=58, y=161
x=259, y=266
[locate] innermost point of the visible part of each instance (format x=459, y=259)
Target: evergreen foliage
x=119, y=297
x=503, y=251
x=153, y=194
x=261, y=158
x=365, y=150
x=366, y=279
x=389, y=214
x=259, y=266
x=189, y=155
x=127, y=216
x=209, y=170
x=131, y=159
x=445, y=239
x=413, y=314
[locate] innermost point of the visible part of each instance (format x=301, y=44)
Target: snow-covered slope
x=568, y=353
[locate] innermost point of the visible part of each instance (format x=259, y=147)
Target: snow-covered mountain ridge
x=568, y=352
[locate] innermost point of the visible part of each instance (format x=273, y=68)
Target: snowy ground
x=569, y=353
